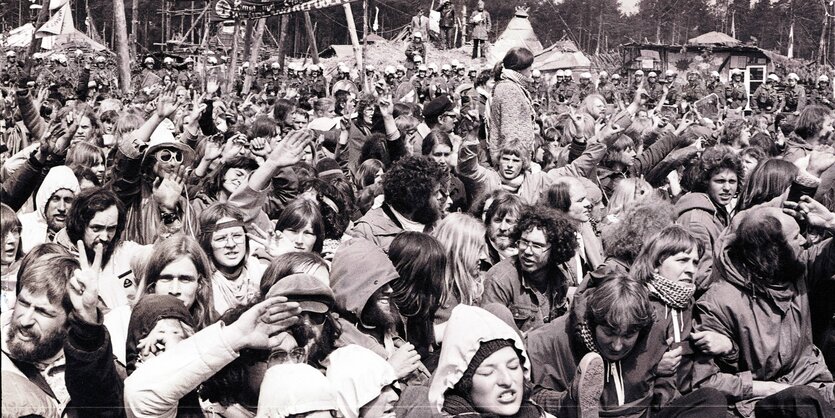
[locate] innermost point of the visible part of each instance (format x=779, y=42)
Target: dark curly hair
x=332, y=204
x=624, y=239
x=560, y=232
x=761, y=251
x=409, y=184
x=714, y=160
x=87, y=204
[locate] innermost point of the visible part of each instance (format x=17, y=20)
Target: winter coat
x=378, y=225
x=484, y=180
x=34, y=230
x=770, y=329
x=558, y=347
x=447, y=11
x=504, y=284
x=18, y=187
x=481, y=25
x=94, y=381
x=705, y=220
x=512, y=116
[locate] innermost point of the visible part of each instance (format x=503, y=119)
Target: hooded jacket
x=697, y=213
x=770, y=329
x=558, y=347
x=467, y=329
x=359, y=269
x=33, y=224
x=359, y=376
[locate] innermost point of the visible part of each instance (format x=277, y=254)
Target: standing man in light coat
x=480, y=19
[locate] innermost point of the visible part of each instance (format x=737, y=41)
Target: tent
x=57, y=33
x=561, y=55
x=714, y=38
x=519, y=33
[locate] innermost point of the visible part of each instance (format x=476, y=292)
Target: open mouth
x=507, y=396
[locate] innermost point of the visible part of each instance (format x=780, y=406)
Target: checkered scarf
x=674, y=294
x=588, y=339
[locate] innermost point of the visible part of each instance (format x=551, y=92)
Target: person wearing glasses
x=149, y=177
x=534, y=284
x=236, y=274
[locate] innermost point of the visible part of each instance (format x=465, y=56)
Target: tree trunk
x=282, y=39
x=134, y=28
x=233, y=67
x=120, y=27
x=364, y=38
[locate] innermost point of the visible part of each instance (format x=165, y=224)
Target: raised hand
x=169, y=187
x=386, y=105
x=198, y=107
x=811, y=211
x=84, y=284
x=212, y=86
x=260, y=147
x=258, y=327
x=291, y=150
x=212, y=150
x=270, y=241
x=167, y=103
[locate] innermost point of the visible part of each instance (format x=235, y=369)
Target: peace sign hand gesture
x=84, y=284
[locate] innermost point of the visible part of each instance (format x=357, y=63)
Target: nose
x=175, y=288
x=27, y=318
x=504, y=379
x=62, y=206
x=617, y=344
x=690, y=267
x=103, y=236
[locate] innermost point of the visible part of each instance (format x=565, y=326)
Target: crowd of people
x=413, y=242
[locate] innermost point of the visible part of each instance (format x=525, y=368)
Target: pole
x=134, y=27
x=233, y=67
x=35, y=44
x=311, y=38
x=364, y=37
x=120, y=28
x=352, y=31
x=254, y=52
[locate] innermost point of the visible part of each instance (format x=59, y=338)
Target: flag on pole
x=790, y=52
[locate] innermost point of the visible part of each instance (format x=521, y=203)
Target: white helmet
x=568, y=73
x=585, y=76
x=823, y=79
x=389, y=70
x=793, y=76
x=11, y=54
x=602, y=74
x=99, y=59
x=714, y=74
x=275, y=65
x=342, y=68
x=370, y=68
x=639, y=72
x=417, y=35
x=651, y=74
x=735, y=71
x=148, y=60
x=560, y=73
x=454, y=63
x=536, y=74
x=670, y=73
x=400, y=68
x=615, y=76
x=774, y=77
x=212, y=60
x=423, y=68
x=168, y=60
x=245, y=64
x=446, y=67
x=417, y=58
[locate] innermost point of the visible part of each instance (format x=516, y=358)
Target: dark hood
x=150, y=309
x=359, y=269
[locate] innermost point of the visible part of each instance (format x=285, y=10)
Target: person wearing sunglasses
x=149, y=177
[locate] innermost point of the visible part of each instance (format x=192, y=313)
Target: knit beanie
x=148, y=311
x=465, y=385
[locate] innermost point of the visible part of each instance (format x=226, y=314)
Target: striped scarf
x=674, y=294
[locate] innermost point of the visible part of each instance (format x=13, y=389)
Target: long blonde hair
x=627, y=192
x=462, y=236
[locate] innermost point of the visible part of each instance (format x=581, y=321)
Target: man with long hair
x=761, y=304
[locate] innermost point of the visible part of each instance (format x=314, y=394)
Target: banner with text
x=249, y=9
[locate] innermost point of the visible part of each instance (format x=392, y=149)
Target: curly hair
x=624, y=239
x=560, y=232
x=87, y=204
x=713, y=161
x=761, y=251
x=733, y=128
x=410, y=183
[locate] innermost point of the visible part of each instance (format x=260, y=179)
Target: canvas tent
x=714, y=38
x=57, y=33
x=519, y=33
x=562, y=55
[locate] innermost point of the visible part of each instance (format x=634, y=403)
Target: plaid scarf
x=588, y=339
x=674, y=294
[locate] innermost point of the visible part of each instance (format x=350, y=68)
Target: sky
x=629, y=6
